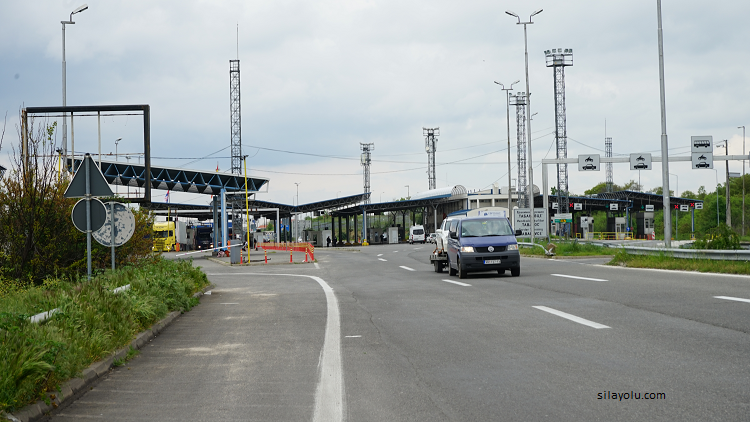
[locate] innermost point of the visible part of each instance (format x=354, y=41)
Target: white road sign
x=640, y=161
x=702, y=160
x=522, y=221
x=614, y=207
x=589, y=162
x=701, y=144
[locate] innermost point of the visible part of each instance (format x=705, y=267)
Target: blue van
x=482, y=244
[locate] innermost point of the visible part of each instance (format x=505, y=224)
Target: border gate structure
x=558, y=59
x=519, y=100
x=429, y=146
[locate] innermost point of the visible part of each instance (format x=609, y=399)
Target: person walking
x=328, y=242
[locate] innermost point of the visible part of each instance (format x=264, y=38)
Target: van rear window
x=418, y=231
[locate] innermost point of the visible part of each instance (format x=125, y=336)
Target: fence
x=308, y=248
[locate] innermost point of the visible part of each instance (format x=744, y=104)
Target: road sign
x=555, y=205
x=588, y=162
x=124, y=224
x=577, y=206
x=522, y=221
x=97, y=183
x=684, y=208
x=699, y=205
x=564, y=217
x=98, y=214
x=701, y=144
x=640, y=161
x=702, y=160
x=649, y=207
x=614, y=207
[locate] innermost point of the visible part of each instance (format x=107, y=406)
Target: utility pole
x=743, y=179
x=507, y=119
x=728, y=207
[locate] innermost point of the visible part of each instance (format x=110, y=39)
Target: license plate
x=492, y=261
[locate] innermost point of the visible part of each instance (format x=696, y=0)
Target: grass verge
x=569, y=248
x=667, y=262
x=91, y=323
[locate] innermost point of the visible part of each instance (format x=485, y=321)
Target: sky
x=319, y=78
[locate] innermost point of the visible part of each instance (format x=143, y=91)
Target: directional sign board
x=649, y=207
x=98, y=185
x=699, y=205
x=124, y=224
x=588, y=162
x=684, y=208
x=640, y=161
x=614, y=207
x=701, y=152
x=564, y=217
x=577, y=206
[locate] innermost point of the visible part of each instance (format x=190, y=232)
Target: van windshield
x=489, y=227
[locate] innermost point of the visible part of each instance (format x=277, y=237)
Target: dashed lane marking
x=406, y=268
x=737, y=299
x=457, y=282
x=579, y=278
x=353, y=336
x=384, y=260
x=380, y=254
x=573, y=318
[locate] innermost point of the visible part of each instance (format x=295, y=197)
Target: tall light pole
x=247, y=211
x=717, y=197
x=528, y=121
x=79, y=9
x=117, y=141
x=743, y=178
x=729, y=202
x=507, y=119
x=407, y=192
x=664, y=142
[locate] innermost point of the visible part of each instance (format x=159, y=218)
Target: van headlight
x=513, y=247
x=467, y=249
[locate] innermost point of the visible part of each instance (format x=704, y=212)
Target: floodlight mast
x=507, y=118
x=79, y=9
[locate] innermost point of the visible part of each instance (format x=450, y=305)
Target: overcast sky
x=320, y=77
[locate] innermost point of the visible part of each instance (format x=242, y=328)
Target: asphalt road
x=377, y=335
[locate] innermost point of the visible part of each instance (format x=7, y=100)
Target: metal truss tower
x=519, y=100
x=608, y=154
x=365, y=161
x=558, y=59
x=429, y=146
x=234, y=110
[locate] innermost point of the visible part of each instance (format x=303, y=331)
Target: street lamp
x=528, y=111
x=117, y=141
x=407, y=191
x=729, y=207
x=79, y=9
x=743, y=178
x=507, y=119
x=676, y=215
x=717, y=196
x=664, y=142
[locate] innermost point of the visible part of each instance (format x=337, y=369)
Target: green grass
x=91, y=323
x=666, y=262
x=569, y=248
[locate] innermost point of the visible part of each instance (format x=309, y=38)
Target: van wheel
x=451, y=271
x=461, y=270
x=515, y=271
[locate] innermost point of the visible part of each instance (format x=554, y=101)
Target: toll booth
x=644, y=222
x=374, y=236
x=617, y=226
x=317, y=237
x=586, y=228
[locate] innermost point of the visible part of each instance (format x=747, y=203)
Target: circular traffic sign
x=98, y=214
x=124, y=225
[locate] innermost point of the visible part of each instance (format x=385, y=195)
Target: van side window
x=454, y=225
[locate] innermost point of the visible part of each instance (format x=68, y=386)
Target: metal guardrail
x=546, y=252
x=715, y=254
x=44, y=316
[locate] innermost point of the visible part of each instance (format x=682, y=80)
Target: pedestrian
x=328, y=242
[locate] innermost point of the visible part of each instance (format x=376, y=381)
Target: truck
x=169, y=236
x=203, y=237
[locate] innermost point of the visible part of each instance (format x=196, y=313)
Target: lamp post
x=407, y=192
x=247, y=211
x=717, y=196
x=79, y=9
x=117, y=141
x=507, y=119
x=528, y=121
x=729, y=206
x=743, y=178
x=676, y=215
x=664, y=142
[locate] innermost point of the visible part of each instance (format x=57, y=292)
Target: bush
x=91, y=323
x=720, y=237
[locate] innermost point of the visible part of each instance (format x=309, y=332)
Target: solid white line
x=353, y=336
x=738, y=299
x=571, y=317
x=406, y=268
x=384, y=260
x=457, y=282
x=579, y=278
x=229, y=303
x=317, y=267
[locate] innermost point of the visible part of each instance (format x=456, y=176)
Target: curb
x=76, y=387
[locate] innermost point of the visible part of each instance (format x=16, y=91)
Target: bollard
x=265, y=255
x=305, y=254
x=290, y=256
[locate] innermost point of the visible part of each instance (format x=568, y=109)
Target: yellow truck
x=169, y=236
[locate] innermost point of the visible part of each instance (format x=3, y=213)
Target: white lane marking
x=329, y=394
x=317, y=267
x=380, y=254
x=579, y=278
x=208, y=293
x=571, y=317
x=457, y=282
x=738, y=299
x=384, y=260
x=406, y=268
x=353, y=336
x=229, y=303
x=395, y=251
